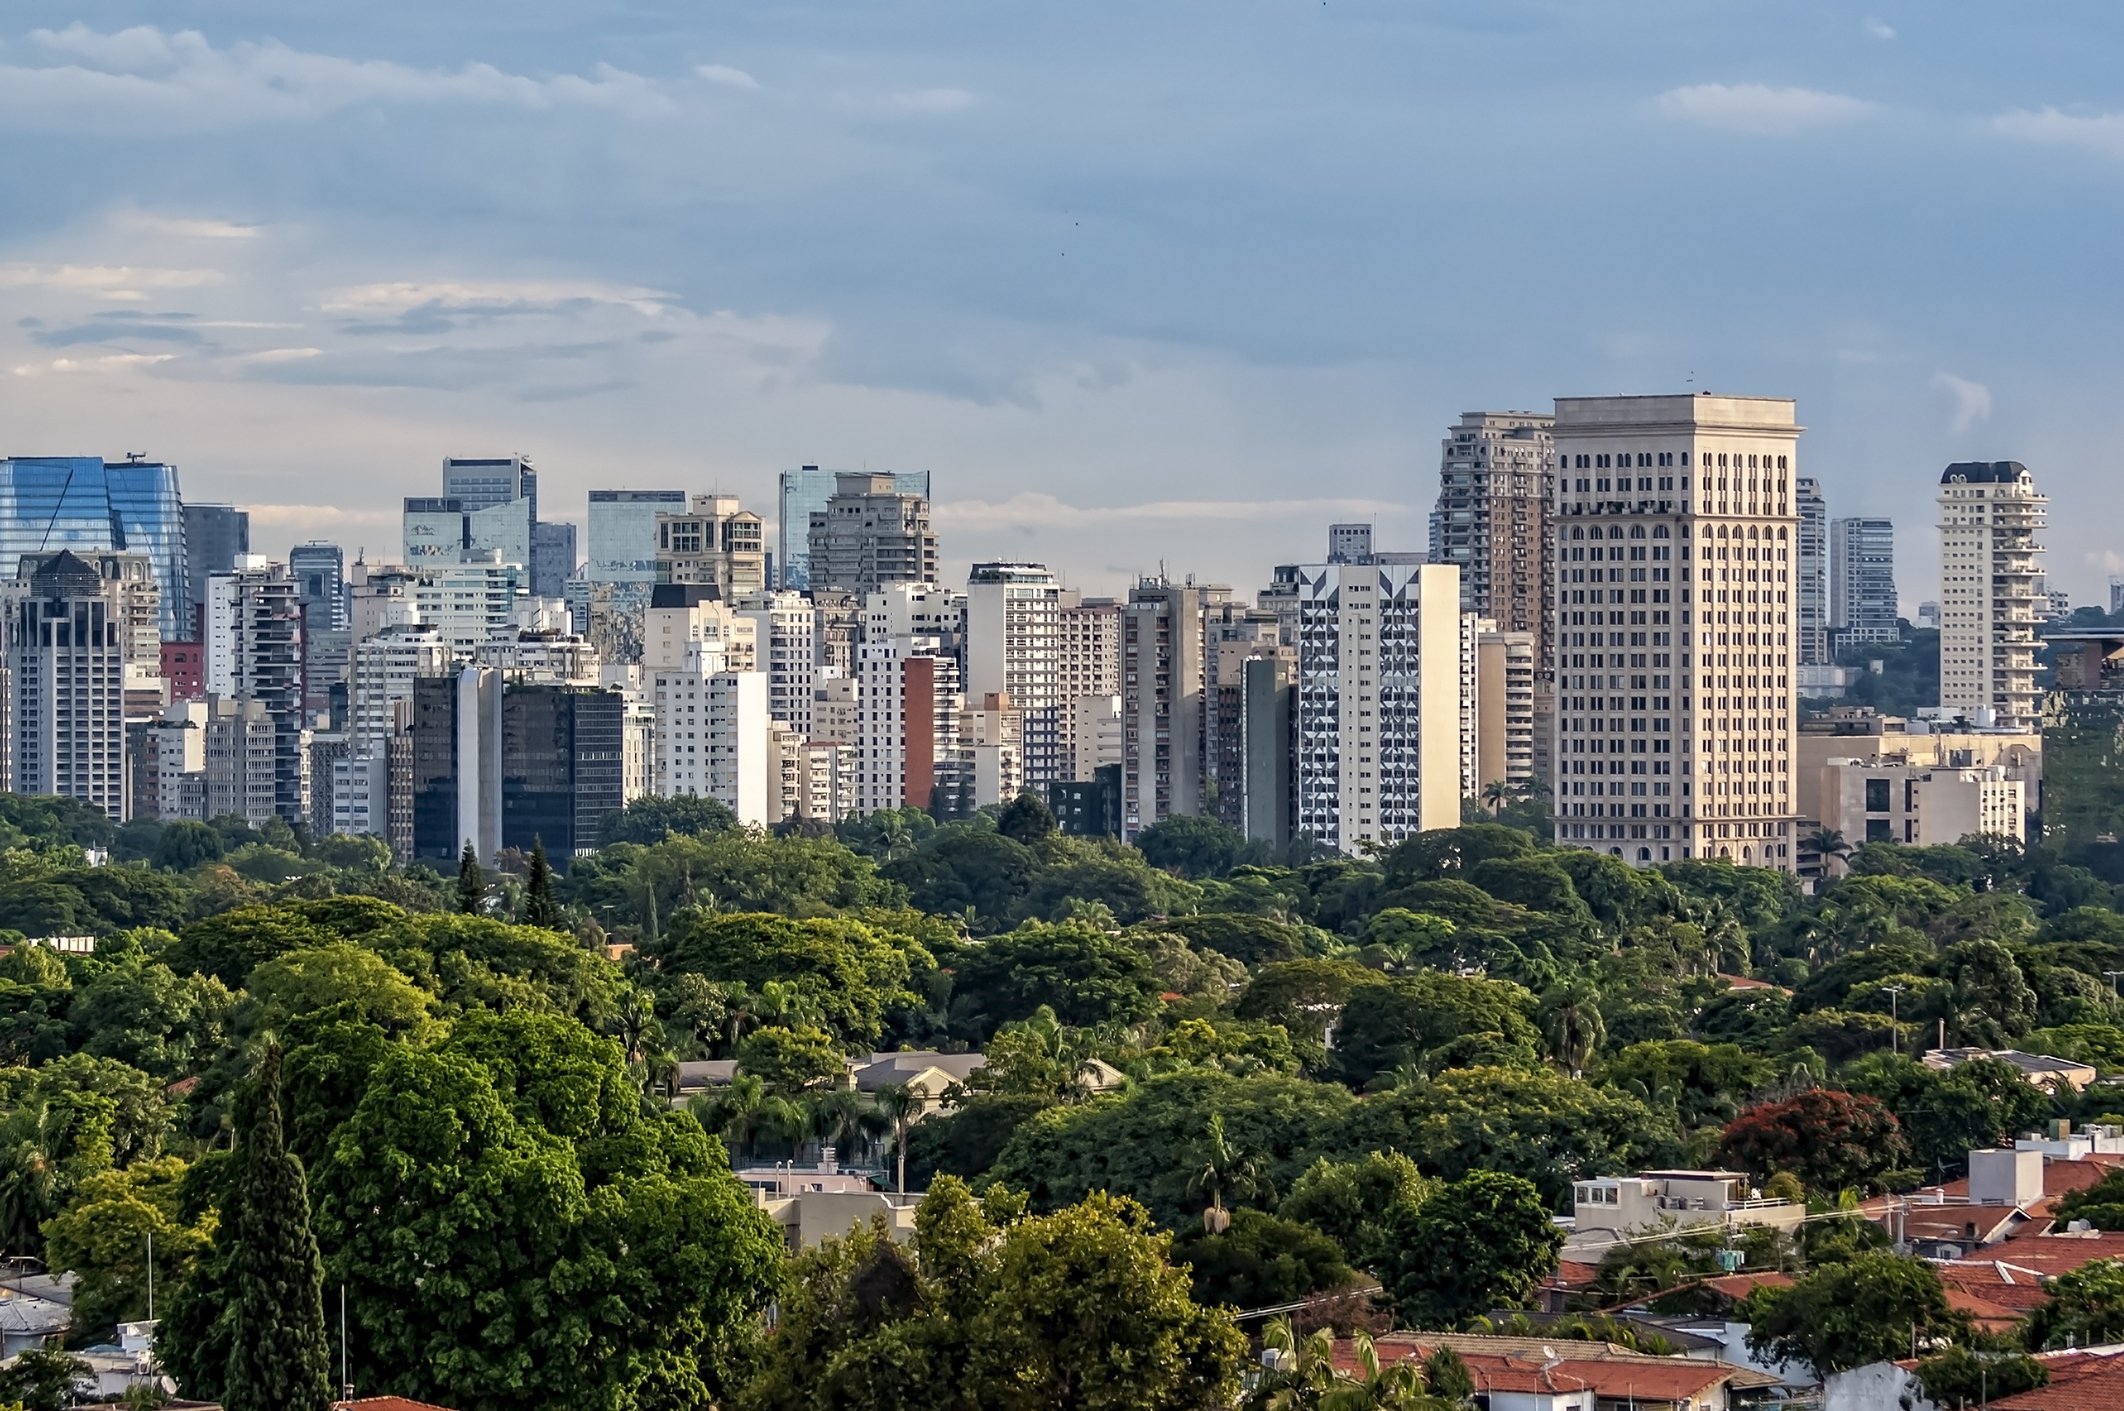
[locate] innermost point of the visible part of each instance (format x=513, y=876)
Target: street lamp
x=1895, y=1015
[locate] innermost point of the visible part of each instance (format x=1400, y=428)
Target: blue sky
x=1138, y=282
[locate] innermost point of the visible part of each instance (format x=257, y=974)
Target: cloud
x=1035, y=509
x=112, y=362
x=728, y=77
x=490, y=296
x=143, y=331
x=1755, y=107
x=186, y=227
x=1879, y=29
x=1972, y=400
x=179, y=80
x=120, y=282
x=927, y=100
x=2100, y=132
x=280, y=355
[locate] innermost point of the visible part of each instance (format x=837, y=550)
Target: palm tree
x=837, y=1117
x=900, y=1105
x=1572, y=1025
x=1496, y=794
x=746, y=1111
x=1224, y=1170
x=779, y=1002
x=1829, y=845
x=1305, y=1378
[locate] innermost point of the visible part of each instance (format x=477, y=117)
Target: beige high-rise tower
x=1991, y=591
x=1676, y=540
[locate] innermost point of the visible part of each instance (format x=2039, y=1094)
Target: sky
x=1143, y=284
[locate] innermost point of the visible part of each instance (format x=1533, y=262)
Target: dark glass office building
x=85, y=503
x=561, y=766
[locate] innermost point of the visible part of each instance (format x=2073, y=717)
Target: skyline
x=1101, y=299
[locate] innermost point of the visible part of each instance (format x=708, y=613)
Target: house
x=1531, y=1374
x=2038, y=1070
x=28, y=1322
x=2007, y=1194
x=927, y=1073
x=2088, y=1379
x=1610, y=1210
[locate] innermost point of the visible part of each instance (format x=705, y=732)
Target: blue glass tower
x=87, y=503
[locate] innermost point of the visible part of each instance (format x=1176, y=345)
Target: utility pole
x=1895, y=1016
x=2112, y=974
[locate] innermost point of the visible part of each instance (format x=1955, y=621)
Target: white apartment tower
x=66, y=681
x=1810, y=586
x=1380, y=687
x=785, y=638
x=714, y=738
x=1991, y=591
x=1676, y=531
x=909, y=751
x=1497, y=476
x=1089, y=640
x=1014, y=650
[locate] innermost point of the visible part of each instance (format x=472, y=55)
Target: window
x=1876, y=799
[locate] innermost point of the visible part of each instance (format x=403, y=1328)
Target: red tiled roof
x=1572, y=1274
x=2079, y=1381
x=1639, y=1378
x=1996, y=1282
x=1991, y=1317
x=2059, y=1253
x=385, y=1403
x=1739, y=1286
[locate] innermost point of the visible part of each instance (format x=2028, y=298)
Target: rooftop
x=1984, y=473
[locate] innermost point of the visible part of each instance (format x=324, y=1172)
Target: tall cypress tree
x=278, y=1357
x=471, y=883
x=540, y=909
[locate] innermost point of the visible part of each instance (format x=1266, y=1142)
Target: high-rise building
x=243, y=761
x=320, y=573
x=66, y=685
x=445, y=529
x=1991, y=591
x=685, y=621
x=455, y=782
x=1379, y=702
x=560, y=766
x=804, y=492
x=1675, y=539
x=909, y=751
x=381, y=673
x=1504, y=733
x=254, y=652
x=1014, y=650
x=483, y=482
x=1497, y=475
x=622, y=533
x=1810, y=584
x=85, y=503
x=1268, y=734
x=1090, y=650
x=1162, y=683
x=553, y=560
x=468, y=599
x=213, y=537
x=1234, y=634
x=1862, y=598
x=713, y=734
x=786, y=645
x=871, y=533
x=714, y=542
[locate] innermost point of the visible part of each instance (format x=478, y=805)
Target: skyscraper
x=456, y=781
x=560, y=766
x=1991, y=590
x=66, y=684
x=1675, y=539
x=484, y=482
x=320, y=573
x=1379, y=702
x=804, y=492
x=85, y=502
x=622, y=533
x=1162, y=684
x=1862, y=598
x=552, y=558
x=1497, y=475
x=444, y=529
x=1014, y=649
x=1810, y=585
x=213, y=536
x=871, y=533
x=254, y=651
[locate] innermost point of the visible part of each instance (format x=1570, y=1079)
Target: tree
x=1571, y=1025
x=1304, y=1376
x=1831, y=1140
x=653, y=819
x=1433, y=1021
x=1260, y=1260
x=540, y=909
x=1703, y=1083
x=1960, y=1377
x=1222, y=1167
x=1481, y=1242
x=1351, y=1201
x=791, y=1060
x=102, y=1236
x=988, y=1308
x=899, y=1105
x=1027, y=819
x=1870, y=1308
x=1040, y=1058
x=2086, y=1308
x=1993, y=1001
x=471, y=884
x=1084, y=975
x=278, y=1356
x=846, y=974
x=1827, y=844
x=1194, y=847
x=42, y=1380
x=185, y=844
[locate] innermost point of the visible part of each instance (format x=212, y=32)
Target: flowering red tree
x=1831, y=1140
